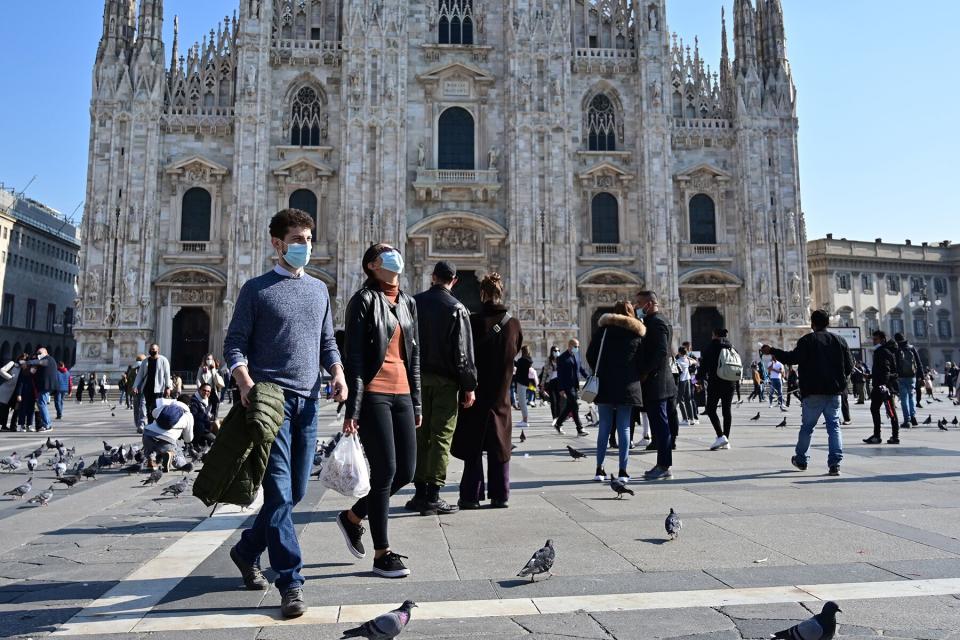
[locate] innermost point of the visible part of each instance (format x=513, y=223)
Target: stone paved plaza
x=761, y=546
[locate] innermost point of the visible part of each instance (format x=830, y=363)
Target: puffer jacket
x=233, y=469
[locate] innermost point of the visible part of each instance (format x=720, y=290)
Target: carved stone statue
x=421, y=155
x=324, y=126
x=250, y=79
x=493, y=157
x=130, y=280
x=653, y=19
x=656, y=94
x=794, y=287
x=93, y=287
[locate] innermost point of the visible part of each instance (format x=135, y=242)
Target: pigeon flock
x=69, y=469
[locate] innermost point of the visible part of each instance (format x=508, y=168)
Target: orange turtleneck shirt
x=392, y=377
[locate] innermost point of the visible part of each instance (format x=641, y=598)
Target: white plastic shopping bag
x=345, y=470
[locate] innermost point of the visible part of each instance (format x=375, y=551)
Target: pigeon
x=541, y=562
x=22, y=490
x=523, y=436
x=783, y=424
x=756, y=417
x=955, y=421
x=929, y=420
x=179, y=460
x=107, y=447
x=384, y=627
x=78, y=468
x=186, y=468
x=53, y=444
x=176, y=488
x=619, y=487
x=943, y=425
x=822, y=626
x=37, y=452
x=43, y=497
x=69, y=481
x=91, y=472
x=154, y=477
x=673, y=524
x=60, y=468
x=574, y=453
x=32, y=463
x=10, y=462
x=104, y=460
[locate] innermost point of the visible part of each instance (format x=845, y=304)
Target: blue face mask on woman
x=392, y=261
x=297, y=255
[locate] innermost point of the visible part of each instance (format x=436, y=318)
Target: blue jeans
x=623, y=413
x=657, y=414
x=58, y=402
x=284, y=485
x=812, y=407
x=776, y=386
x=43, y=401
x=139, y=411
x=908, y=401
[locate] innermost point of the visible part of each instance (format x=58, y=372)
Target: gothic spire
x=724, y=49
x=744, y=37
x=118, y=28
x=777, y=47
x=176, y=44
x=150, y=25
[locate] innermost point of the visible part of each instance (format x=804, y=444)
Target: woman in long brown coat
x=487, y=426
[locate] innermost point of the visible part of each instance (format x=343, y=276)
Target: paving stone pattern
x=750, y=520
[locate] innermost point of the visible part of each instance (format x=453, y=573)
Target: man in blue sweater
x=282, y=332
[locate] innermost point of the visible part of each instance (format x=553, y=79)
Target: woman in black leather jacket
x=382, y=367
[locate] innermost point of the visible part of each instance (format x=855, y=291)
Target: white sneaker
x=696, y=422
x=522, y=424
x=684, y=423
x=720, y=443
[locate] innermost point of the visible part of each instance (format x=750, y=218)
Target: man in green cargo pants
x=446, y=371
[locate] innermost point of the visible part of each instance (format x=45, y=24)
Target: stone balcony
x=456, y=185
x=606, y=60
x=606, y=252
x=192, y=252
x=705, y=253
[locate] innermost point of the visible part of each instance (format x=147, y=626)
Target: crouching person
x=172, y=421
x=205, y=427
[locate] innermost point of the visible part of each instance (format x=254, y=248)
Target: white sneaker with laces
x=720, y=443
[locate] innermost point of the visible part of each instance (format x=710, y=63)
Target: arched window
x=455, y=24
x=944, y=328
x=677, y=104
x=601, y=124
x=871, y=321
x=896, y=321
x=703, y=220
x=605, y=217
x=305, y=200
x=455, y=139
x=920, y=324
x=195, y=216
x=305, y=114
x=846, y=316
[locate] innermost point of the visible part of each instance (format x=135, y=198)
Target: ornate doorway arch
x=473, y=242
x=200, y=288
x=598, y=290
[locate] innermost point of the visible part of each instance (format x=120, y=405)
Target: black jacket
x=201, y=416
x=656, y=360
x=45, y=379
x=710, y=360
x=885, y=366
x=824, y=360
x=447, y=345
x=618, y=371
x=370, y=323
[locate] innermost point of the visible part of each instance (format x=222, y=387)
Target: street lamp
x=923, y=301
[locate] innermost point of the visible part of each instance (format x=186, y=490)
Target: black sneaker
x=905, y=425
x=499, y=504
x=292, y=605
x=253, y=577
x=417, y=504
x=440, y=507
x=468, y=506
x=390, y=565
x=834, y=471
x=801, y=467
x=893, y=441
x=650, y=447
x=352, y=535
x=873, y=440
x=914, y=422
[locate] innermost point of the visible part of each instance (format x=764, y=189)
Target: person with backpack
x=909, y=367
x=722, y=368
x=885, y=384
x=826, y=362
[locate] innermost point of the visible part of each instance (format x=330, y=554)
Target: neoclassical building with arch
x=574, y=146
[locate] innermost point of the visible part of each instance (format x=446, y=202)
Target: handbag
x=591, y=389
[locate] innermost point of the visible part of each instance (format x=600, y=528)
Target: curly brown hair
x=491, y=286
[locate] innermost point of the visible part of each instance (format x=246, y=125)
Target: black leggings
x=388, y=434
x=719, y=392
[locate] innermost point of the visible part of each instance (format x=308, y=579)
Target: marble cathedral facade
x=574, y=146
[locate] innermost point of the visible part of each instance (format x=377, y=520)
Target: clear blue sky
x=876, y=82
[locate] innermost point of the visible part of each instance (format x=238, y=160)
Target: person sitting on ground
x=205, y=426
x=172, y=421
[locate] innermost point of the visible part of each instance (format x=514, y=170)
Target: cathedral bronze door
x=191, y=341
x=702, y=324
x=467, y=290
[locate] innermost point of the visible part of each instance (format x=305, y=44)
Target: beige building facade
x=574, y=146
x=898, y=288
